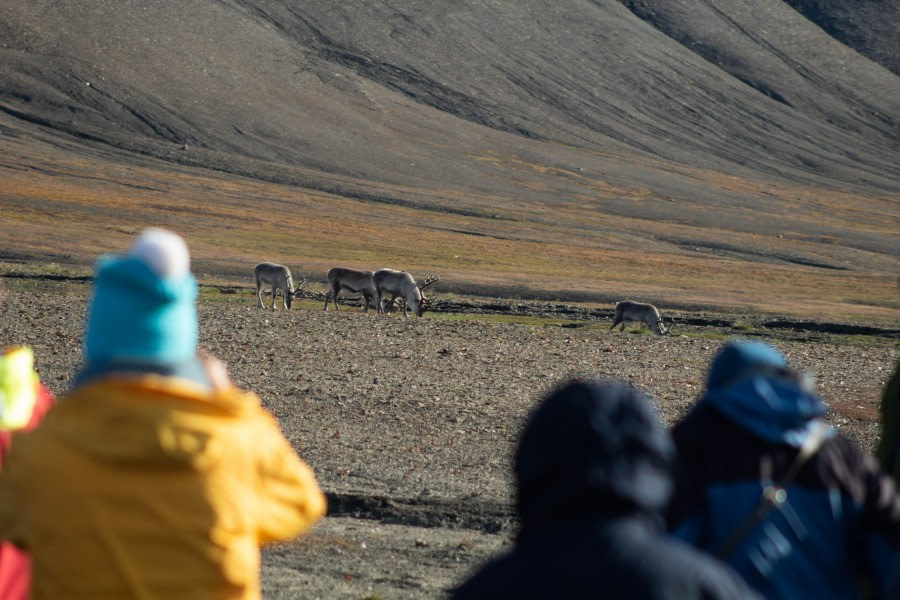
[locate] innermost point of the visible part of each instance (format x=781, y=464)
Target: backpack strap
x=775, y=493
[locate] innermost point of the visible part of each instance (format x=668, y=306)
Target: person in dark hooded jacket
x=593, y=475
x=809, y=527
x=888, y=451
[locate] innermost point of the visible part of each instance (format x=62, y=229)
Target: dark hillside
x=731, y=128
x=324, y=84
x=868, y=26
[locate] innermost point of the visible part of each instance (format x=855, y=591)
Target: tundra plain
x=410, y=424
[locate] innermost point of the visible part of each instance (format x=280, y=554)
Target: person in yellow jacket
x=154, y=477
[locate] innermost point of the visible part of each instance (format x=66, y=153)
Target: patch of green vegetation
x=41, y=286
x=44, y=269
x=514, y=319
x=866, y=341
x=639, y=331
x=706, y=334
x=216, y=295
x=309, y=304
x=246, y=296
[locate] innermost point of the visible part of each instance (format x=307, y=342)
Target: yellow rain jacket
x=147, y=487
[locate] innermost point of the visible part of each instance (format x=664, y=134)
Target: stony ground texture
x=410, y=424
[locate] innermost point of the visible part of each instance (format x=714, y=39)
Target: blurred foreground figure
x=592, y=472
x=889, y=446
x=154, y=477
x=23, y=403
x=798, y=510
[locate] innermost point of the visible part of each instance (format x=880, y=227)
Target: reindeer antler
x=430, y=280
x=662, y=326
x=297, y=289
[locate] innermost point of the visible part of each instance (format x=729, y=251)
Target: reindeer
x=389, y=284
x=350, y=280
x=639, y=311
x=388, y=304
x=279, y=278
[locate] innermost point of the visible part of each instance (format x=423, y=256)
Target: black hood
x=592, y=450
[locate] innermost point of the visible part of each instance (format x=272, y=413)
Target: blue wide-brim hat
x=751, y=385
x=140, y=315
x=738, y=358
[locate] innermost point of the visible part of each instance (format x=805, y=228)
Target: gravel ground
x=410, y=423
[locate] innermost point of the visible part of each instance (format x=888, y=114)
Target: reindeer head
x=663, y=330
x=423, y=302
x=295, y=293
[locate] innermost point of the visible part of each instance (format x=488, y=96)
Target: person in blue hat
x=154, y=476
x=142, y=318
x=593, y=474
x=767, y=486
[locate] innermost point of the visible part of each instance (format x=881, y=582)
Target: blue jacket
x=593, y=475
x=841, y=519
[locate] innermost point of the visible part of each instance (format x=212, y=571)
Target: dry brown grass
x=71, y=209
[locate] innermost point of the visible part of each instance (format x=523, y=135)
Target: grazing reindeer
x=388, y=304
x=391, y=284
x=638, y=311
x=279, y=278
x=350, y=280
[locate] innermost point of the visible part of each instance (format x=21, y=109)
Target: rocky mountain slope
x=411, y=93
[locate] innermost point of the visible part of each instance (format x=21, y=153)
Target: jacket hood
x=592, y=450
x=149, y=420
x=750, y=384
